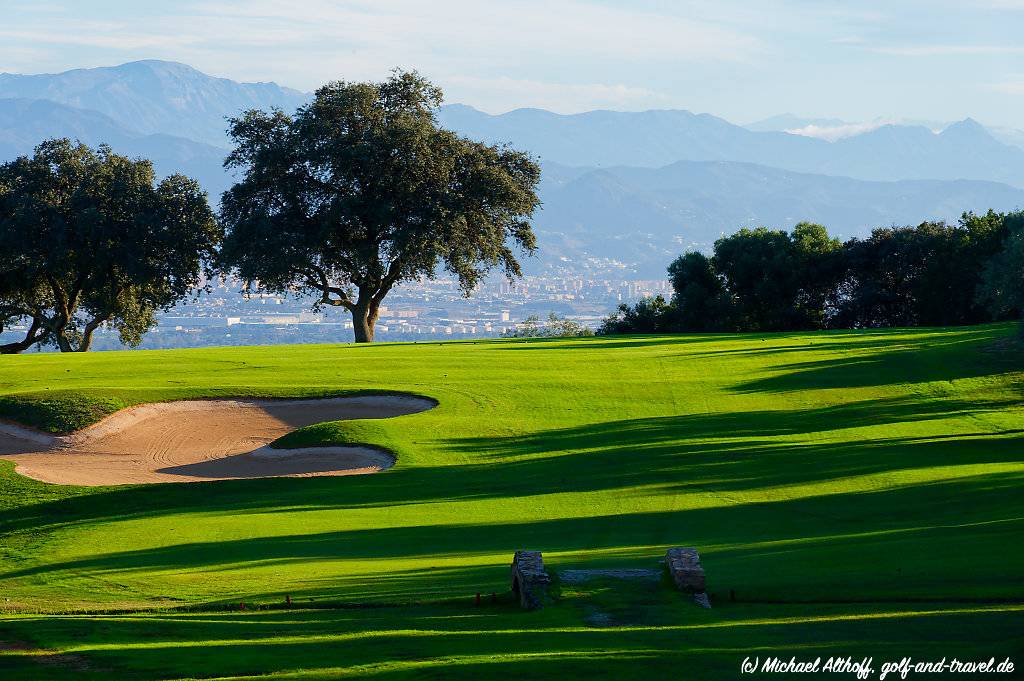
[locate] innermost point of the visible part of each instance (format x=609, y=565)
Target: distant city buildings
x=422, y=311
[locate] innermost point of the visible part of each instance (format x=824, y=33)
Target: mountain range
x=26, y=122
x=964, y=150
x=836, y=128
x=632, y=189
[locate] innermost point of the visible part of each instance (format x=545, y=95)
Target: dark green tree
x=699, y=302
x=933, y=274
x=758, y=268
x=361, y=190
x=928, y=275
x=1002, y=281
x=649, y=315
x=818, y=260
x=89, y=239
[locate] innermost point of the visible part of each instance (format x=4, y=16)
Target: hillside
x=820, y=475
x=647, y=216
x=26, y=122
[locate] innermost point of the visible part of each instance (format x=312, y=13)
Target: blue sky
x=857, y=60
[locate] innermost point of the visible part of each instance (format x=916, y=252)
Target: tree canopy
x=926, y=275
x=933, y=274
x=1002, y=283
x=89, y=239
x=361, y=190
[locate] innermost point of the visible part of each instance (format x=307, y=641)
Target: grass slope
x=860, y=493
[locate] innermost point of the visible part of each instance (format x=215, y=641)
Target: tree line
x=357, y=192
x=932, y=274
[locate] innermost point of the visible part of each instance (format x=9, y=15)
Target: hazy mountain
x=646, y=138
x=964, y=150
x=1011, y=136
x=647, y=216
x=26, y=122
x=154, y=96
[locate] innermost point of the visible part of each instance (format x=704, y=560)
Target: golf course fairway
x=853, y=494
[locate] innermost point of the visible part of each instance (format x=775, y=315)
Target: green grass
x=859, y=492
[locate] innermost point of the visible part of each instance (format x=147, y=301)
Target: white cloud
x=836, y=132
x=399, y=28
x=520, y=26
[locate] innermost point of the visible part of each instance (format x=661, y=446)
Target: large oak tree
x=88, y=238
x=361, y=190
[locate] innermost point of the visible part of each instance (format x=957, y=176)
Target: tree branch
x=390, y=279
x=317, y=278
x=31, y=338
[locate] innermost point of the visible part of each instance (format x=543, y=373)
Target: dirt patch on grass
x=197, y=440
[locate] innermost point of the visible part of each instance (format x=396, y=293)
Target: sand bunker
x=197, y=440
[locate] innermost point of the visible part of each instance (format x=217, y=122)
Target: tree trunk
x=90, y=329
x=63, y=344
x=364, y=318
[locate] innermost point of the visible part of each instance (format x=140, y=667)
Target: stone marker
x=687, y=573
x=529, y=579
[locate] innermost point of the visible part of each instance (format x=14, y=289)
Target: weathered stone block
x=529, y=579
x=686, y=570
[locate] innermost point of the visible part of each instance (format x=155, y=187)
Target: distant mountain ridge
x=154, y=96
x=656, y=138
x=26, y=122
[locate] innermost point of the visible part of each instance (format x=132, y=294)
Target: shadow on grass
x=864, y=545
x=451, y=642
x=926, y=358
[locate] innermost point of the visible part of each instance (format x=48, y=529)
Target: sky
x=858, y=60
